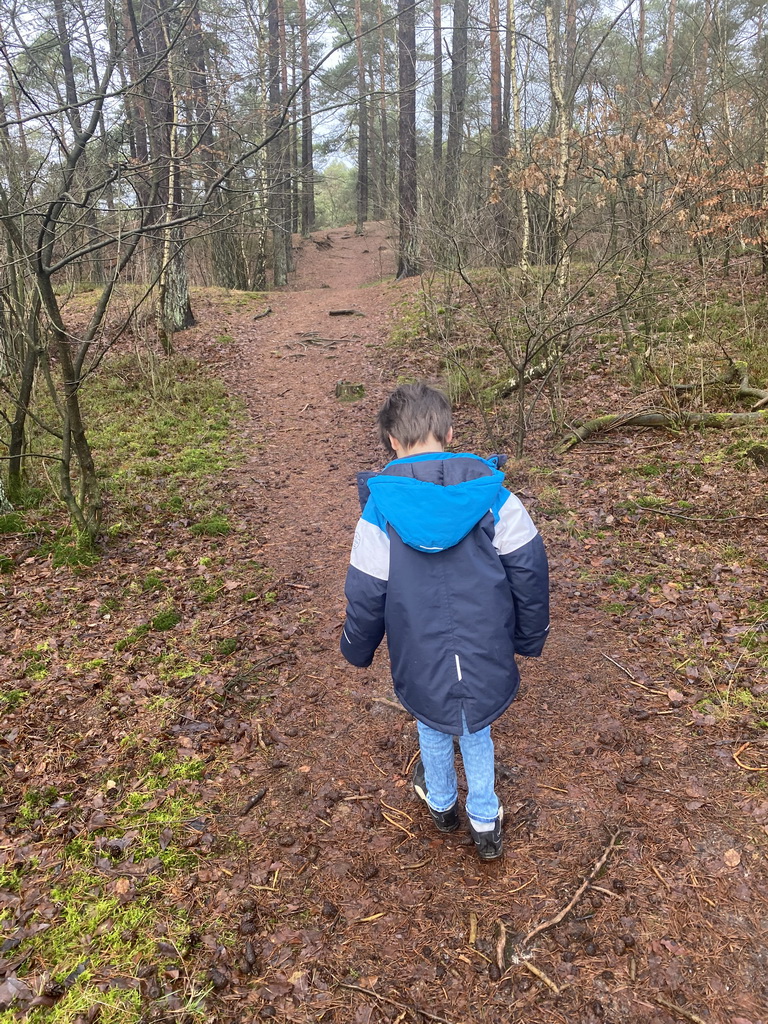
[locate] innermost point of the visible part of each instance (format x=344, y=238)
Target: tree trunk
x=307, y=218
x=437, y=88
x=96, y=270
x=457, y=103
x=519, y=141
x=669, y=51
x=559, y=198
x=408, y=260
x=383, y=120
x=275, y=159
x=362, y=125
x=285, y=139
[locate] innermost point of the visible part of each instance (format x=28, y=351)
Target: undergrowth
x=155, y=428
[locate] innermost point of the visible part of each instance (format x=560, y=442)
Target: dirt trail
x=358, y=890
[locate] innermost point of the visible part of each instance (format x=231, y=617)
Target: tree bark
x=457, y=103
x=362, y=124
x=307, y=218
x=275, y=159
x=408, y=259
x=525, y=214
x=437, y=87
x=384, y=168
x=562, y=126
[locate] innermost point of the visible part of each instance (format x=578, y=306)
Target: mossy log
x=678, y=420
x=667, y=420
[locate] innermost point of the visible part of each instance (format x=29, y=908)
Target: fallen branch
x=562, y=914
x=667, y=420
x=699, y=519
x=394, y=1002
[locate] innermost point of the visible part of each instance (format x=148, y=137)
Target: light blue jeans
x=437, y=756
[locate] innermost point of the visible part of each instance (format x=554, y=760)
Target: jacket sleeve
x=366, y=589
x=522, y=554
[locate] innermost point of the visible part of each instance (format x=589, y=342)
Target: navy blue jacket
x=448, y=564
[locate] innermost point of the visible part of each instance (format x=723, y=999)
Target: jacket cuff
x=355, y=655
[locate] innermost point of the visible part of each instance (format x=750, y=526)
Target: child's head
x=412, y=415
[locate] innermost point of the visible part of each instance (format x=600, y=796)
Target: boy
x=448, y=564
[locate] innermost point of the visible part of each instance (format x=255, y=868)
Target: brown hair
x=413, y=412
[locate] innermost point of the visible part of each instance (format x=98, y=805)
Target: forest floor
x=300, y=879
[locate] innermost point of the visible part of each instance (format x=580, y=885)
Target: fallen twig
x=394, y=1002
x=501, y=944
x=678, y=1010
x=260, y=316
x=660, y=877
x=562, y=914
x=699, y=519
x=541, y=976
x=747, y=767
x=618, y=666
x=397, y=824
x=257, y=797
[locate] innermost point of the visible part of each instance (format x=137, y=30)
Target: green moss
x=216, y=525
x=38, y=661
x=207, y=589
x=35, y=801
x=70, y=548
x=174, y=666
x=130, y=638
x=152, y=582
x=226, y=647
x=12, y=699
x=550, y=501
x=166, y=619
x=650, y=469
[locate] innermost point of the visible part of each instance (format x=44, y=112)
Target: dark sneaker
x=445, y=821
x=489, y=845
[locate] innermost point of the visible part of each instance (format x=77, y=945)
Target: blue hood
x=432, y=517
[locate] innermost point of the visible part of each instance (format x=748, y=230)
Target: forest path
x=369, y=894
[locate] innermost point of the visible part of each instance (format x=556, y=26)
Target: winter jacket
x=448, y=564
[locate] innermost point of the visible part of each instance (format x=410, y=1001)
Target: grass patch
x=11, y=522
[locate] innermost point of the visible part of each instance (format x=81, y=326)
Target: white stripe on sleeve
x=370, y=550
x=514, y=528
